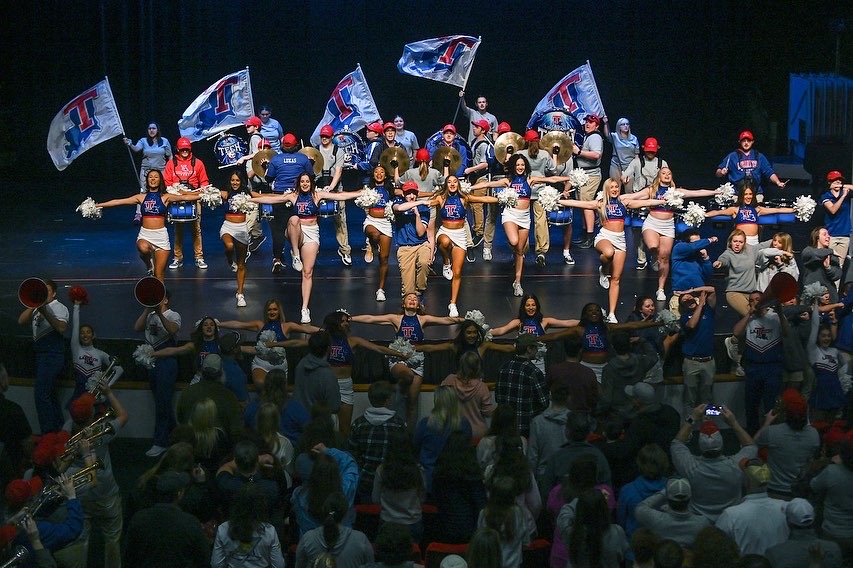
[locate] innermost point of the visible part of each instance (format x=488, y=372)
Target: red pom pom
x=36, y=485
x=43, y=455
x=7, y=534
x=62, y=436
x=78, y=294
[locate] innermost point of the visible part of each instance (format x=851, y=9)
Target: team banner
x=226, y=103
x=576, y=93
x=445, y=59
x=350, y=105
x=87, y=120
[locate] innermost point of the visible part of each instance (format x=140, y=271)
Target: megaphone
x=149, y=292
x=782, y=288
x=33, y=292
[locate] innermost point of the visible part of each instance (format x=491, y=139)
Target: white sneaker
x=176, y=263
x=297, y=263
x=567, y=257
x=732, y=350
x=453, y=312
x=200, y=263
x=611, y=318
x=233, y=267
x=368, y=253
x=241, y=300
x=447, y=271
x=603, y=279
x=345, y=257
x=517, y=290
x=306, y=316
x=739, y=370
x=155, y=451
x=380, y=295
x=487, y=254
x=660, y=295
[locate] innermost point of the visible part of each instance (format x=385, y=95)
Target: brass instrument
x=99, y=428
x=19, y=556
x=506, y=145
x=446, y=153
x=316, y=158
x=556, y=142
x=53, y=491
x=394, y=154
x=261, y=161
x=106, y=376
x=33, y=293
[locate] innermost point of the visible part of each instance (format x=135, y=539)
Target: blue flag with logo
x=226, y=103
x=350, y=105
x=445, y=59
x=576, y=93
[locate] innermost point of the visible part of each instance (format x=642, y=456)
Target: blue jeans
x=763, y=386
x=162, y=379
x=48, y=369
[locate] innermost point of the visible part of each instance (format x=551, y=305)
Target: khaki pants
x=478, y=210
x=738, y=301
x=540, y=229
x=491, y=221
x=698, y=382
x=414, y=264
x=341, y=234
x=253, y=224
x=195, y=228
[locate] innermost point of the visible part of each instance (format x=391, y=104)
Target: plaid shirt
x=368, y=445
x=521, y=384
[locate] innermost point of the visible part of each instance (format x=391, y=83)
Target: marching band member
x=330, y=180
x=156, y=151
x=428, y=180
x=406, y=138
x=188, y=171
x=152, y=242
x=256, y=180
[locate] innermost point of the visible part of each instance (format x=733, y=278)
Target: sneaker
x=660, y=295
x=277, y=266
x=380, y=295
x=233, y=267
x=255, y=243
x=137, y=219
x=306, y=316
x=200, y=263
x=611, y=318
x=248, y=254
x=567, y=257
x=297, y=263
x=452, y=311
x=578, y=240
x=447, y=271
x=586, y=243
x=241, y=300
x=603, y=279
x=487, y=254
x=345, y=257
x=738, y=368
x=517, y=290
x=655, y=266
x=469, y=255
x=176, y=263
x=368, y=254
x=155, y=451
x=642, y=265
x=732, y=350
x=540, y=260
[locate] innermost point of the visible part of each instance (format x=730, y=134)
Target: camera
x=713, y=410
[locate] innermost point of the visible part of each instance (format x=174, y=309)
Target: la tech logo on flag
x=226, y=103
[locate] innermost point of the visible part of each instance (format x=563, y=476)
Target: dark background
x=692, y=74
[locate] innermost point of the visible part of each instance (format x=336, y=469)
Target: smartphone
x=713, y=410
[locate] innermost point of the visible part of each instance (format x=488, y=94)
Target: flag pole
x=465, y=83
x=249, y=83
x=121, y=124
x=597, y=94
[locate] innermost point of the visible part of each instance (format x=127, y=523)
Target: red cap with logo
x=327, y=131
x=745, y=135
x=253, y=121
x=834, y=175
x=289, y=140
x=184, y=142
x=592, y=118
x=504, y=127
x=531, y=135
x=409, y=187
x=650, y=145
x=388, y=126
x=448, y=127
x=484, y=124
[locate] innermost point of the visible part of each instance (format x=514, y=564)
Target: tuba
x=33, y=293
x=149, y=291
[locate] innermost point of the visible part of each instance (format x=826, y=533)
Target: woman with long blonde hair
x=432, y=431
x=211, y=441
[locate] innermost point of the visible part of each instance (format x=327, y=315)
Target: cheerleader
x=377, y=228
x=745, y=213
x=235, y=233
x=86, y=358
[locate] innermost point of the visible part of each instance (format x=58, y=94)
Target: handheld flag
x=226, y=103
x=445, y=59
x=576, y=93
x=350, y=105
x=87, y=120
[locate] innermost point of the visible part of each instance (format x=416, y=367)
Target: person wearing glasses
x=271, y=129
x=156, y=150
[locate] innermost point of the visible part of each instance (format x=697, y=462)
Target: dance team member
x=377, y=228
x=156, y=151
x=235, y=232
x=746, y=214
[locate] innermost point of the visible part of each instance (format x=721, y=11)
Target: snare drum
x=329, y=208
x=681, y=226
x=182, y=212
x=265, y=211
x=560, y=217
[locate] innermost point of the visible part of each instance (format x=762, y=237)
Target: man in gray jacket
x=667, y=513
x=315, y=380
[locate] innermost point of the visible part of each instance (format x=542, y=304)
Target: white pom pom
x=275, y=355
x=507, y=197
x=241, y=202
x=174, y=189
x=88, y=209
x=143, y=356
x=670, y=321
x=211, y=196
x=464, y=186
x=694, y=215
x=674, y=198
x=578, y=177
x=389, y=211
x=727, y=194
x=368, y=198
x=812, y=293
x=548, y=197
x=804, y=207
x=402, y=346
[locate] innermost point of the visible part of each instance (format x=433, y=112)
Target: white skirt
x=616, y=239
x=665, y=228
x=311, y=233
x=457, y=236
x=238, y=231
x=159, y=238
x=752, y=240
x=382, y=224
x=520, y=217
x=258, y=363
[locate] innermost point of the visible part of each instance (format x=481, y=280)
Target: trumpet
x=19, y=555
x=51, y=492
x=98, y=428
x=108, y=376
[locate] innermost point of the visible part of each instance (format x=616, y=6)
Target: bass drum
x=229, y=149
x=560, y=217
x=352, y=145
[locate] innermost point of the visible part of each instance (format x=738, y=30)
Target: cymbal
x=261, y=161
x=395, y=153
x=507, y=144
x=446, y=152
x=559, y=141
x=315, y=156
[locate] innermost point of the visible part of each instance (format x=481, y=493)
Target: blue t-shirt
x=405, y=230
x=838, y=224
x=699, y=342
x=285, y=168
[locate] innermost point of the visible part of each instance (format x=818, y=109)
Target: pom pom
x=275, y=355
x=88, y=209
x=669, y=320
x=694, y=215
x=175, y=189
x=368, y=198
x=599, y=196
x=211, y=196
x=411, y=357
x=507, y=197
x=78, y=294
x=674, y=198
x=477, y=317
x=389, y=211
x=143, y=356
x=726, y=195
x=548, y=197
x=464, y=186
x=7, y=534
x=804, y=207
x=812, y=293
x=241, y=202
x=578, y=177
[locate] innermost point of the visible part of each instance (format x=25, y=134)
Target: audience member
x=802, y=540
x=667, y=513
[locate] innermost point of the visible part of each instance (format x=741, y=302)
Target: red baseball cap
x=422, y=155
x=375, y=127
x=592, y=118
x=745, y=135
x=834, y=175
x=253, y=121
x=184, y=142
x=388, y=125
x=264, y=144
x=289, y=140
x=651, y=145
x=531, y=135
x=504, y=127
x=327, y=131
x=484, y=124
x=448, y=127
x=410, y=186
